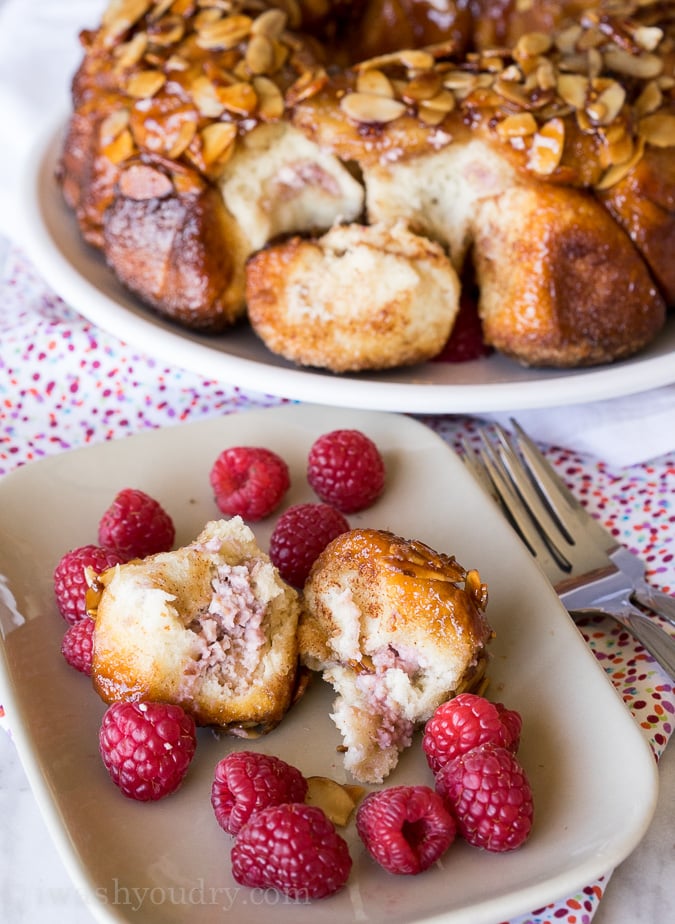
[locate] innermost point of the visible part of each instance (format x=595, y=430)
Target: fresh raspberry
x=405, y=828
x=293, y=848
x=463, y=723
x=246, y=782
x=488, y=792
x=77, y=645
x=301, y=533
x=70, y=578
x=345, y=469
x=147, y=747
x=136, y=525
x=249, y=482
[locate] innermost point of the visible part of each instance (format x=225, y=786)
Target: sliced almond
x=573, y=89
x=658, y=129
x=121, y=15
x=167, y=31
x=128, y=54
x=609, y=97
x=367, y=107
x=240, y=98
x=260, y=57
x=182, y=140
x=224, y=33
x=645, y=66
x=142, y=182
x=120, y=148
x=271, y=23
x=648, y=37
x=531, y=45
x=518, y=125
x=617, y=172
x=306, y=86
x=205, y=97
x=547, y=147
x=218, y=141
x=335, y=800
x=424, y=86
x=145, y=84
x=112, y=125
x=375, y=82
x=649, y=100
x=566, y=40
x=618, y=147
x=270, y=100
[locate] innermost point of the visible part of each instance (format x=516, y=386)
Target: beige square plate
x=593, y=775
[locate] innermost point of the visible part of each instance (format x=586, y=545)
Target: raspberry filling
x=229, y=634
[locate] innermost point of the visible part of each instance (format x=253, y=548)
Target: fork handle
x=654, y=639
x=656, y=600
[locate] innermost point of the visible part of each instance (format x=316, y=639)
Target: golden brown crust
x=573, y=291
x=305, y=298
x=566, y=93
x=401, y=589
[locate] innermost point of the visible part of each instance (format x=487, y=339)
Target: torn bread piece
x=210, y=627
x=397, y=629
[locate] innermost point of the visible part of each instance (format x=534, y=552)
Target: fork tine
x=526, y=511
x=562, y=502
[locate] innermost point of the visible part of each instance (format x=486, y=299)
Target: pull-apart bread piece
x=397, y=629
x=536, y=145
x=210, y=627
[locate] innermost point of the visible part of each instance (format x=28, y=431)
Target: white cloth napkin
x=39, y=52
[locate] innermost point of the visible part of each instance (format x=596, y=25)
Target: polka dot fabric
x=66, y=384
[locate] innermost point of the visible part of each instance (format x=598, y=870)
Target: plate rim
x=521, y=900
x=552, y=388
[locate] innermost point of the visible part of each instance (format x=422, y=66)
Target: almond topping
x=367, y=107
x=182, y=140
x=531, y=45
x=260, y=57
x=120, y=15
x=573, y=88
x=271, y=23
x=145, y=84
x=517, y=126
x=141, y=182
x=130, y=53
x=617, y=172
x=422, y=87
x=121, y=148
x=112, y=125
x=644, y=65
x=218, y=141
x=547, y=147
x=225, y=33
x=649, y=100
x=240, y=98
x=374, y=82
x=606, y=105
x=658, y=129
x=270, y=100
x=167, y=31
x=337, y=801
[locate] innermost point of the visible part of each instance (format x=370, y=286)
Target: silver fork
x=586, y=579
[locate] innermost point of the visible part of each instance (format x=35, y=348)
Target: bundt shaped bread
x=215, y=145
x=396, y=628
x=210, y=627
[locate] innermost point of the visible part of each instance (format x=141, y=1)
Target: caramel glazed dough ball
x=330, y=169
